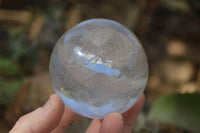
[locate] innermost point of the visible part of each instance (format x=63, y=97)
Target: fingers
x=131, y=115
x=67, y=117
x=94, y=126
x=112, y=123
x=117, y=123
x=43, y=119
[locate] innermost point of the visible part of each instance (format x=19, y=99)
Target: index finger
x=131, y=115
x=66, y=119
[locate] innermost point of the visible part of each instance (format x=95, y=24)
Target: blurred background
x=169, y=31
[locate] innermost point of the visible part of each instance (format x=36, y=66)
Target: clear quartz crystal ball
x=98, y=67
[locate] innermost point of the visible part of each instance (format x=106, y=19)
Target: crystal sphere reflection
x=98, y=67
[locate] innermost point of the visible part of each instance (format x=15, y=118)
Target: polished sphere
x=98, y=67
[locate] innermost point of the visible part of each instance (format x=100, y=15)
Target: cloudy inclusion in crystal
x=98, y=67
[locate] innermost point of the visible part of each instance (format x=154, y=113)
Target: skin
x=55, y=117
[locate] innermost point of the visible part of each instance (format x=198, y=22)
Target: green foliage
x=13, y=43
x=18, y=43
x=8, y=68
x=182, y=110
x=8, y=91
x=17, y=55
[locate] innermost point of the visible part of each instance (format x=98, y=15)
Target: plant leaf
x=181, y=110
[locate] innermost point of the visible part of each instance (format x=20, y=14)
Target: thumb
x=43, y=119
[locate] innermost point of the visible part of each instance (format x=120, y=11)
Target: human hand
x=55, y=117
